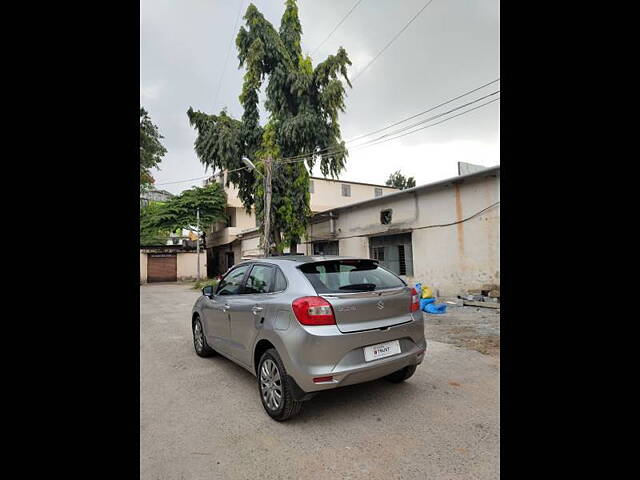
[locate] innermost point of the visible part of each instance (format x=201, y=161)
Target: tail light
x=313, y=311
x=415, y=301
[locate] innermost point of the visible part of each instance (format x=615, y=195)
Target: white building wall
x=451, y=258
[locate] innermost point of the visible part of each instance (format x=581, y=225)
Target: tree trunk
x=293, y=246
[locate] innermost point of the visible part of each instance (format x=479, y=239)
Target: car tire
x=401, y=375
x=273, y=381
x=199, y=340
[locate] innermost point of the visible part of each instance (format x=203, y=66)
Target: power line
x=180, y=181
x=423, y=112
x=437, y=123
x=391, y=41
x=215, y=102
x=421, y=122
x=306, y=155
x=393, y=138
x=337, y=26
x=296, y=159
x=381, y=139
x=329, y=152
x=199, y=178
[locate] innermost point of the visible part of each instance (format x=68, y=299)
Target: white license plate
x=381, y=350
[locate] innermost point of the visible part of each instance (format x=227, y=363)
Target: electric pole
x=267, y=205
x=268, y=163
x=198, y=243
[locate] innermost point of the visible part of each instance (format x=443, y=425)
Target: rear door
x=216, y=310
x=248, y=311
x=363, y=295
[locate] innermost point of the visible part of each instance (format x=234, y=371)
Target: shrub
x=203, y=283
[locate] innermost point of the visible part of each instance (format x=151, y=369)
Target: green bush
x=203, y=283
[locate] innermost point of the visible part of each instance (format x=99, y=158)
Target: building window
x=310, y=186
x=231, y=215
x=377, y=192
x=385, y=216
x=402, y=260
x=394, y=252
x=377, y=253
x=346, y=190
x=326, y=248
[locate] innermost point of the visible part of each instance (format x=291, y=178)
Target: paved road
x=201, y=418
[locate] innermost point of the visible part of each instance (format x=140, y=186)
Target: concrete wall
x=143, y=268
x=187, y=265
x=450, y=259
x=328, y=194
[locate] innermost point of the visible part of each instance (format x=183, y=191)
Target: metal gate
x=162, y=267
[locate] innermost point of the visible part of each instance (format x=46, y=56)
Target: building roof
x=303, y=258
x=489, y=171
x=352, y=182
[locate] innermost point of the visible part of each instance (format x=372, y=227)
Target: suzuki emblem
x=380, y=305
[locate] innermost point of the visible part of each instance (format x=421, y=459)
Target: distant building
x=223, y=244
x=154, y=196
x=444, y=234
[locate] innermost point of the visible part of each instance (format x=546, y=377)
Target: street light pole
x=268, y=163
x=198, y=243
x=267, y=206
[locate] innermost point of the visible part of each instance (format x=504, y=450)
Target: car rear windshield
x=344, y=276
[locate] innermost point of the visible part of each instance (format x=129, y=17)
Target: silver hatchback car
x=303, y=324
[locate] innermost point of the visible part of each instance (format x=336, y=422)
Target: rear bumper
x=325, y=351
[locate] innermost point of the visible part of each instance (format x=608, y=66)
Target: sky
x=452, y=47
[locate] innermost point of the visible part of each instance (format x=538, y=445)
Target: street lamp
x=267, y=197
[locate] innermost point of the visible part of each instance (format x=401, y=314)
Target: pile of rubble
x=488, y=296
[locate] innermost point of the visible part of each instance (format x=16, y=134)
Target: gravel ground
x=475, y=328
x=202, y=418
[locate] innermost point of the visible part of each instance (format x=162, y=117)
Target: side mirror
x=208, y=291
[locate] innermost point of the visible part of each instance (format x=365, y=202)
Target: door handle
x=256, y=309
x=226, y=307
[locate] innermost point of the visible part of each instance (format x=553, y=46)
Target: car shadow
x=347, y=403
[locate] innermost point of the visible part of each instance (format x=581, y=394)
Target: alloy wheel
x=198, y=337
x=271, y=384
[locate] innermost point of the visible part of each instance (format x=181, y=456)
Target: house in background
x=445, y=234
x=154, y=196
x=223, y=238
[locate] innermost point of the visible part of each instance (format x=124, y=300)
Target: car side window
x=260, y=279
x=280, y=283
x=232, y=282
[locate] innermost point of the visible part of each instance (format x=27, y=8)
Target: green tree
x=158, y=220
x=397, y=180
x=303, y=103
x=151, y=150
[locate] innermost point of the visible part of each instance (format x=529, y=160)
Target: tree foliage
x=397, y=180
x=157, y=220
x=303, y=102
x=151, y=150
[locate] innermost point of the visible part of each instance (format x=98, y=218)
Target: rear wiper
x=366, y=287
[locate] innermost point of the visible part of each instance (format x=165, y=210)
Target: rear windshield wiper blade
x=367, y=287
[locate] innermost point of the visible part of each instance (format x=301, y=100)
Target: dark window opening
x=403, y=261
x=394, y=252
x=385, y=216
